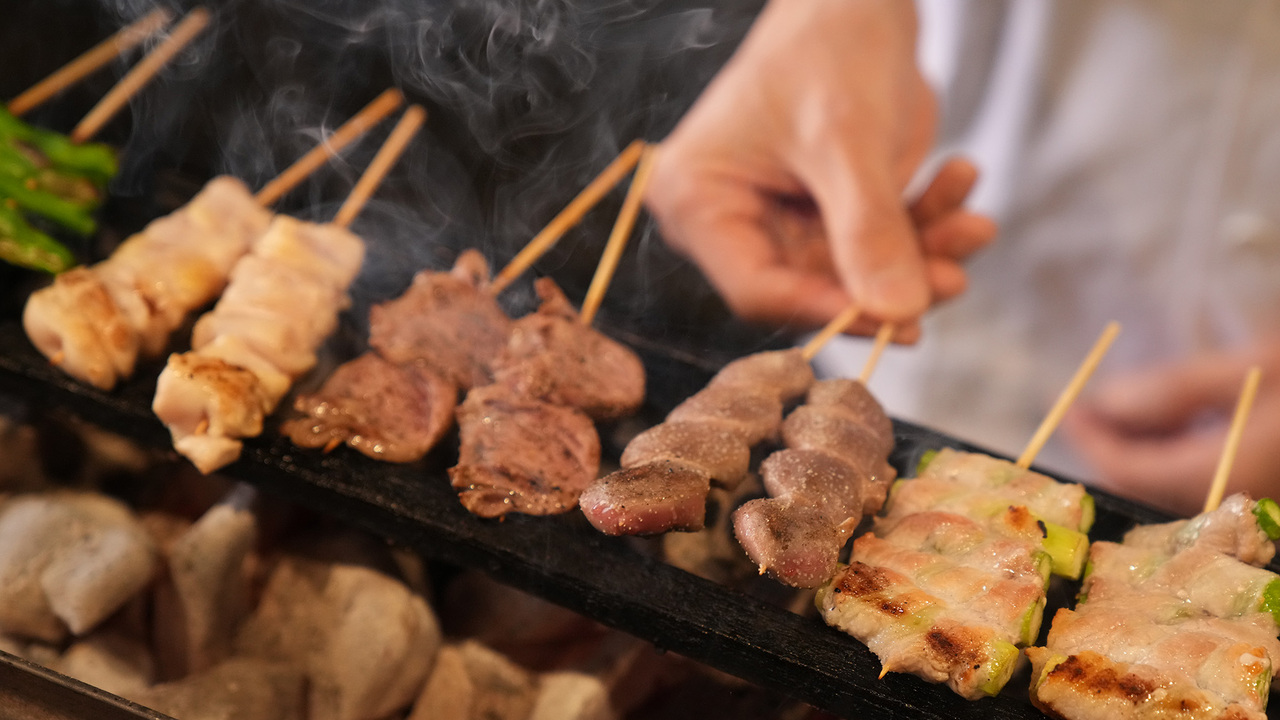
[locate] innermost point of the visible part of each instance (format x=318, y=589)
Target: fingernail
x=898, y=291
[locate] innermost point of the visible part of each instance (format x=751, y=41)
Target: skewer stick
x=883, y=336
x=387, y=156
x=124, y=40
x=622, y=228
x=1243, y=406
x=1069, y=394
x=358, y=125
x=141, y=74
x=571, y=215
x=833, y=328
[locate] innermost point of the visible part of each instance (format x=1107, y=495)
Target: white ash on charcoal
x=365, y=642
x=67, y=561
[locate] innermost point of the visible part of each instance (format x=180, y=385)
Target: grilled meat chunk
x=387, y=411
x=648, y=499
x=447, y=321
x=785, y=374
x=551, y=356
x=716, y=451
x=148, y=286
x=520, y=454
x=209, y=402
x=753, y=416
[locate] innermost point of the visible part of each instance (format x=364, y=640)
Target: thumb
x=873, y=243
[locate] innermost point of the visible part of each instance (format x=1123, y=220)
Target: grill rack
x=563, y=560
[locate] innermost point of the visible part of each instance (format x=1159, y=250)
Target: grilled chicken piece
x=707, y=438
x=210, y=402
x=833, y=471
x=365, y=642
x=519, y=454
x=648, y=499
x=551, y=356
x=448, y=321
x=95, y=323
x=387, y=411
x=67, y=561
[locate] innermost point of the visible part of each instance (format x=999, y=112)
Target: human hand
x=1156, y=435
x=784, y=182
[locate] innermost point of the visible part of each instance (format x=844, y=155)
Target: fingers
x=946, y=192
x=1163, y=399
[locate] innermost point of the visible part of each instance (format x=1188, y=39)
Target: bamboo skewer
x=358, y=125
x=191, y=26
x=883, y=336
x=387, y=156
x=833, y=328
x=1069, y=394
x=124, y=40
x=622, y=228
x=571, y=215
x=1243, y=406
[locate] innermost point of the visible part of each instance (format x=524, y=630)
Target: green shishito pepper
x=95, y=161
x=24, y=165
x=25, y=246
x=71, y=215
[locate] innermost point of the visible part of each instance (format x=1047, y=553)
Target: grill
x=562, y=559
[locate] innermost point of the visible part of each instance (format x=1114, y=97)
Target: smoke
x=528, y=100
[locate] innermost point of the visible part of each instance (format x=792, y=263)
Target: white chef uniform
x=1130, y=152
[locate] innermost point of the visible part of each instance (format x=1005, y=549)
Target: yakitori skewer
x=282, y=302
x=95, y=322
x=63, y=179
x=1069, y=395
x=1177, y=616
x=183, y=33
x=962, y=555
x=528, y=441
x=124, y=40
x=1243, y=406
x=439, y=338
x=570, y=216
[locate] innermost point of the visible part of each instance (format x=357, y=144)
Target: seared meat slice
x=753, y=416
x=824, y=480
x=792, y=539
x=522, y=455
x=550, y=355
x=648, y=499
x=784, y=373
x=447, y=320
x=714, y=450
x=387, y=411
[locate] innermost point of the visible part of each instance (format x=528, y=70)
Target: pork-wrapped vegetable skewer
x=952, y=580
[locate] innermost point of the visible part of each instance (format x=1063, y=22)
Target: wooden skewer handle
x=618, y=237
x=124, y=40
x=570, y=216
x=1069, y=394
x=1243, y=406
x=883, y=336
x=387, y=156
x=833, y=328
x=191, y=26
x=358, y=125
